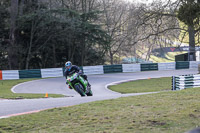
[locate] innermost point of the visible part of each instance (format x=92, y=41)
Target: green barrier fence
x=185, y=81
x=149, y=67
x=112, y=68
x=32, y=73
x=182, y=65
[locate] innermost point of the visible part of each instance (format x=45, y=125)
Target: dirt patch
x=193, y=116
x=156, y=123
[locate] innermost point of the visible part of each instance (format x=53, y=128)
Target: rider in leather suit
x=71, y=69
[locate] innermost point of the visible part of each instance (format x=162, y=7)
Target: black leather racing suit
x=72, y=70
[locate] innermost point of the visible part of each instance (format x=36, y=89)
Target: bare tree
x=12, y=50
x=153, y=26
x=115, y=18
x=160, y=19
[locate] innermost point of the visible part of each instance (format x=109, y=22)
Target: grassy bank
x=166, y=112
x=6, y=93
x=147, y=85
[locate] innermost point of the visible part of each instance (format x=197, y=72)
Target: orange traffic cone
x=46, y=95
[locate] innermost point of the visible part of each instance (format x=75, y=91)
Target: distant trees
x=189, y=13
x=44, y=36
x=4, y=30
x=47, y=33
x=162, y=21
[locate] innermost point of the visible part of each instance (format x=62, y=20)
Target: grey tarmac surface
x=57, y=86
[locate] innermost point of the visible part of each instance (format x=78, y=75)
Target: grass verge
x=6, y=93
x=146, y=85
x=166, y=112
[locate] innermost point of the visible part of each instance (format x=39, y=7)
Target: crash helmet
x=68, y=65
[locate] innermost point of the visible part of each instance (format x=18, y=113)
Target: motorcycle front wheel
x=79, y=89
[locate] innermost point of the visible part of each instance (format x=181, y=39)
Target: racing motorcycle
x=79, y=84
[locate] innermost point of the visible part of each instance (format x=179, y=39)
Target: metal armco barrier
x=89, y=70
x=101, y=69
x=131, y=67
x=166, y=66
x=185, y=81
x=182, y=65
x=149, y=67
x=10, y=74
x=112, y=68
x=33, y=73
x=52, y=72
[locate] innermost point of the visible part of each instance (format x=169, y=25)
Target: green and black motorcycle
x=79, y=84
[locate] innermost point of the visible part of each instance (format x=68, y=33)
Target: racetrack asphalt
x=99, y=84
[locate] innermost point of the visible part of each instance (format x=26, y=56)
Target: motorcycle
x=79, y=84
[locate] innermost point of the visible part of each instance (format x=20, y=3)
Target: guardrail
x=112, y=68
x=10, y=74
x=167, y=66
x=131, y=67
x=89, y=70
x=182, y=65
x=101, y=69
x=185, y=81
x=51, y=72
x=149, y=67
x=33, y=73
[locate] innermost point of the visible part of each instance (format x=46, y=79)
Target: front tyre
x=79, y=89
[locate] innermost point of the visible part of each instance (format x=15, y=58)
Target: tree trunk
x=12, y=50
x=21, y=7
x=54, y=56
x=73, y=50
x=111, y=57
x=191, y=43
x=30, y=47
x=83, y=52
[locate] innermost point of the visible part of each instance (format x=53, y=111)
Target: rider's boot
x=89, y=87
x=70, y=87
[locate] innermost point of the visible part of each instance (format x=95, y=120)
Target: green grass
x=146, y=85
x=166, y=112
x=6, y=93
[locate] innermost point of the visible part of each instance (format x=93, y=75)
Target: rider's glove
x=67, y=83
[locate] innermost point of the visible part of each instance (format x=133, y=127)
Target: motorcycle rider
x=71, y=69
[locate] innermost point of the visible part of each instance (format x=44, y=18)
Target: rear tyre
x=79, y=89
